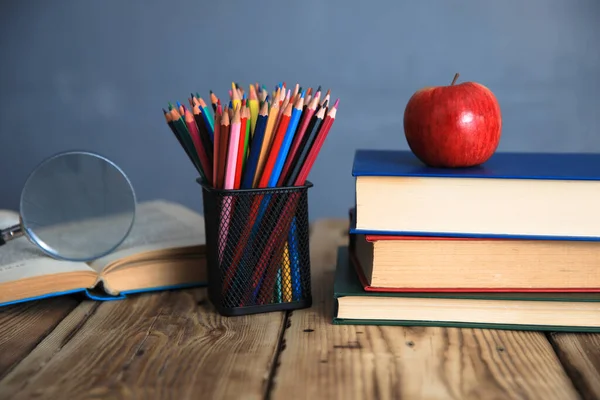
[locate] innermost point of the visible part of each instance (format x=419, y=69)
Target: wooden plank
x=23, y=326
x=403, y=362
x=161, y=345
x=580, y=356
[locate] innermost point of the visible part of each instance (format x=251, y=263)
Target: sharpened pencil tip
x=211, y=92
x=170, y=106
x=164, y=111
x=178, y=104
x=335, y=105
x=318, y=89
x=303, y=93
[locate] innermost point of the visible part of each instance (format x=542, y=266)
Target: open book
x=165, y=249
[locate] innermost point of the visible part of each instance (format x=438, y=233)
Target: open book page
x=20, y=259
x=158, y=225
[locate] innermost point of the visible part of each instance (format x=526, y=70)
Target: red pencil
x=195, y=134
x=292, y=155
x=223, y=147
x=276, y=146
x=217, y=147
x=316, y=147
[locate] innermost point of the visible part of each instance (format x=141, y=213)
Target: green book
x=572, y=312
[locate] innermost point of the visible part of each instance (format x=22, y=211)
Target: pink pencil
x=234, y=141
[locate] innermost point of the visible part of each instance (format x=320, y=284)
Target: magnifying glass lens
x=77, y=206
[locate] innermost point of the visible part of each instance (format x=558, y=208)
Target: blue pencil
x=257, y=141
x=287, y=141
x=295, y=262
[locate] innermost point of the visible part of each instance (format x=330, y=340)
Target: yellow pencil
x=236, y=101
x=286, y=275
x=253, y=104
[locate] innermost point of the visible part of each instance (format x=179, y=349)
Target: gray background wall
x=94, y=75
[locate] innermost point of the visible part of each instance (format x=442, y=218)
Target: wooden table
x=171, y=345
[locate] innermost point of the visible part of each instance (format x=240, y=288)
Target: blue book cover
x=554, y=166
x=98, y=295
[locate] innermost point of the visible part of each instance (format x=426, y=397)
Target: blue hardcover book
x=550, y=196
x=165, y=250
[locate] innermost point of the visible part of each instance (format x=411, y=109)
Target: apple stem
x=455, y=78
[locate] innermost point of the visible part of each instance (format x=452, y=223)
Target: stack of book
x=514, y=243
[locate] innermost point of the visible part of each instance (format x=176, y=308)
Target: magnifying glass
x=75, y=206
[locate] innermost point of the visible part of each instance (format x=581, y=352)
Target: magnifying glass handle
x=10, y=233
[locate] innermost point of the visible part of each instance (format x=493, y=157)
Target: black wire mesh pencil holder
x=257, y=249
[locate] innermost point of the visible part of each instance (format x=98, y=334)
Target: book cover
x=347, y=283
x=502, y=165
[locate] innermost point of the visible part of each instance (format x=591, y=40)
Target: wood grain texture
x=580, y=355
x=23, y=326
x=321, y=360
x=162, y=345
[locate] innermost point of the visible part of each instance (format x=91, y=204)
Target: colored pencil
x=316, y=146
x=208, y=119
x=223, y=148
x=287, y=141
x=207, y=141
x=179, y=138
x=232, y=152
x=236, y=98
x=311, y=135
x=183, y=133
x=217, y=148
x=286, y=275
x=265, y=179
x=241, y=150
x=200, y=149
x=255, y=147
x=214, y=101
x=299, y=136
x=254, y=108
x=247, y=139
x=266, y=143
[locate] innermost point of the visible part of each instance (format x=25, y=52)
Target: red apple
x=453, y=126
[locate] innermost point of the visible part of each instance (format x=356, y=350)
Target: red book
x=388, y=263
